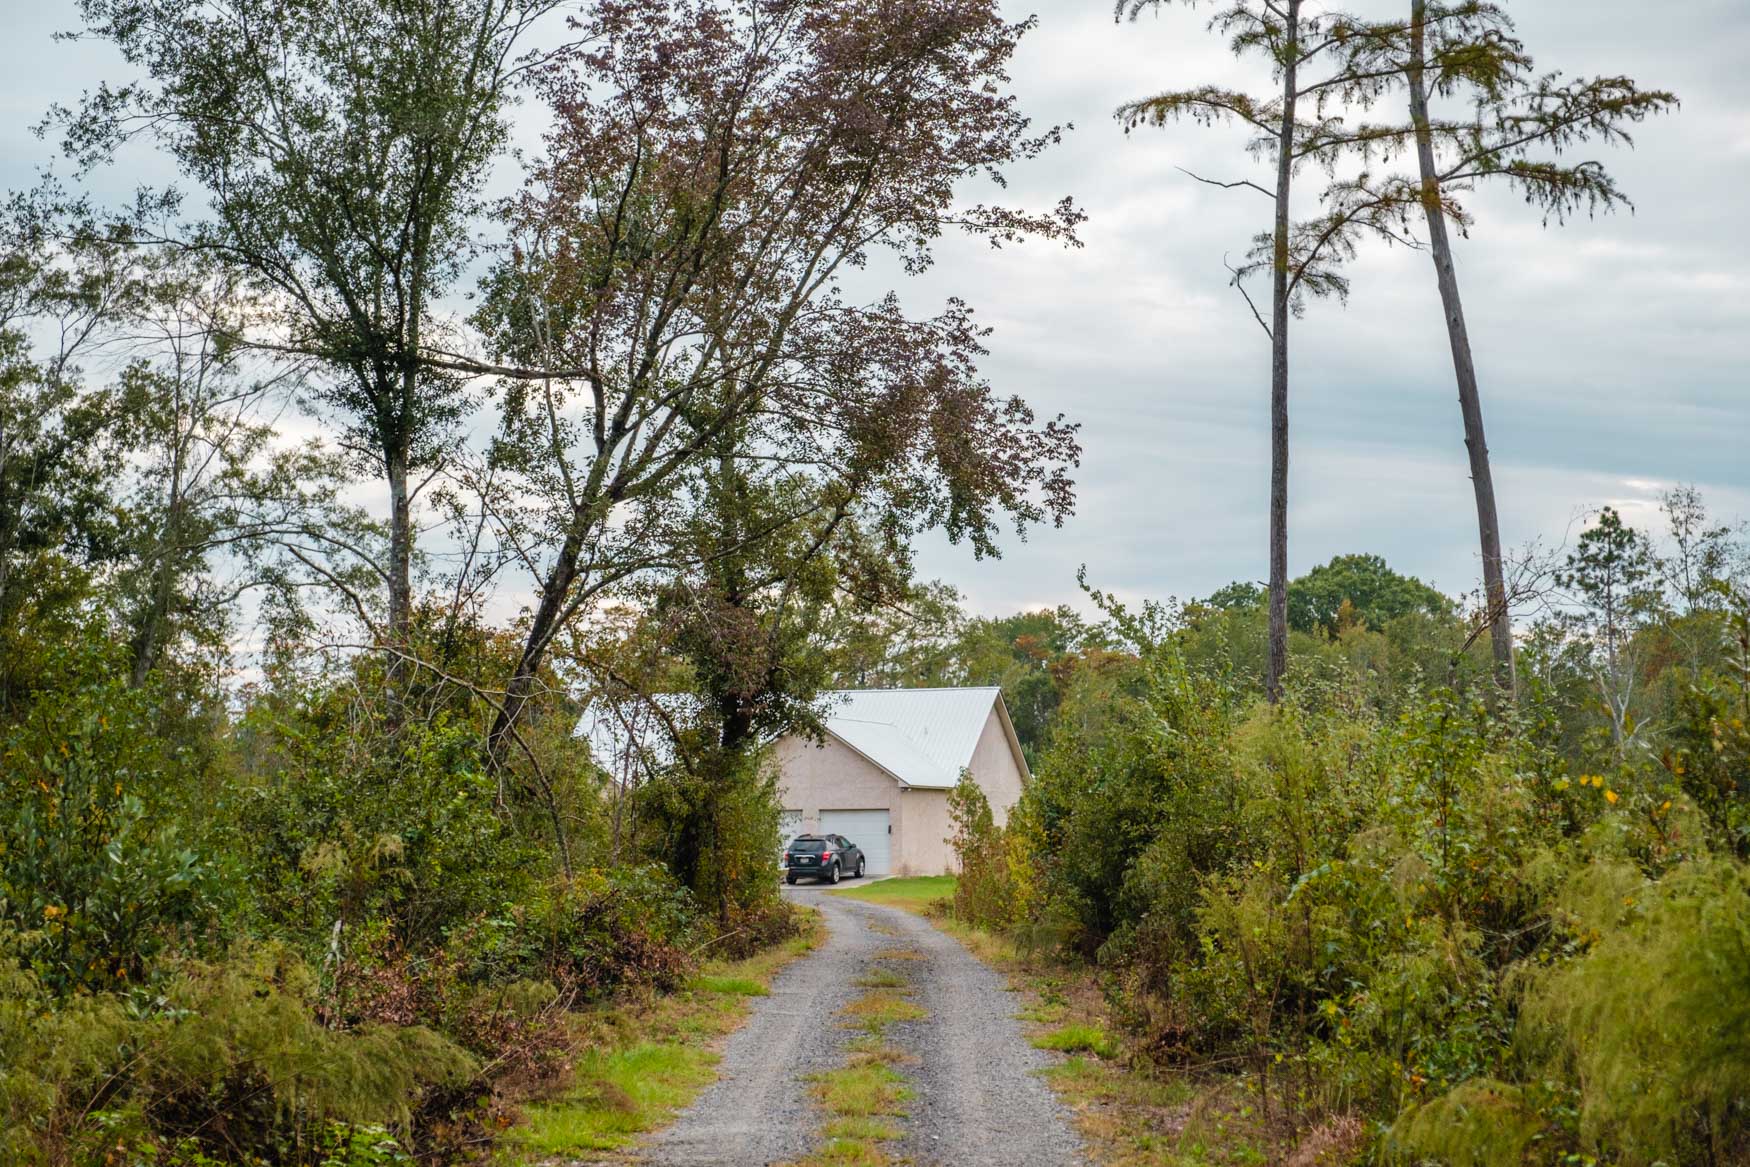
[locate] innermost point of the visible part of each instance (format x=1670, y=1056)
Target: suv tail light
x=825, y=855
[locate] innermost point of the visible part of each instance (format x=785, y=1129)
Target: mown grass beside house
x=914, y=893
x=640, y=1063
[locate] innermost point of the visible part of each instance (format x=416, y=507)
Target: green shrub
x=1135, y=763
x=713, y=823
x=984, y=893
x=94, y=880
x=1482, y=1123
x=1652, y=1019
x=228, y=1060
x=235, y=1056
x=56, y=1056
x=592, y=936
x=1709, y=755
x=356, y=825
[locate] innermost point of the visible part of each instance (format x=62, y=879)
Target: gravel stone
x=976, y=1093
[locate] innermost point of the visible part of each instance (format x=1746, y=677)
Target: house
x=879, y=776
x=882, y=774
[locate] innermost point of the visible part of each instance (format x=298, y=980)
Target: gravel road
x=976, y=1097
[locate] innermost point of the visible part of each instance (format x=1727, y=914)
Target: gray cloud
x=1615, y=353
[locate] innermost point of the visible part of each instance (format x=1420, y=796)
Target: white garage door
x=868, y=829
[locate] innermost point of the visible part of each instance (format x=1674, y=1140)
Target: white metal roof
x=923, y=737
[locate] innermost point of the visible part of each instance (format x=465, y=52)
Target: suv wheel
x=859, y=867
x=833, y=875
x=790, y=878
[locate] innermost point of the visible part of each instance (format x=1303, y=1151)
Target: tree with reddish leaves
x=673, y=297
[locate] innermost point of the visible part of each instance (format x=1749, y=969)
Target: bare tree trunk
x=149, y=641
x=542, y=628
x=400, y=625
x=1277, y=663
x=1469, y=399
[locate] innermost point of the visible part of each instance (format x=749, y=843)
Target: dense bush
x=590, y=936
x=985, y=892
x=1505, y=939
x=227, y=1060
x=95, y=879
x=1652, y=1020
x=712, y=822
x=323, y=939
x=359, y=826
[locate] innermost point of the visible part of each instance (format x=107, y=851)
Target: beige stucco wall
x=923, y=847
x=994, y=768
x=831, y=776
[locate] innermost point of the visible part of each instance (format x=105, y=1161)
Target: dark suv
x=822, y=857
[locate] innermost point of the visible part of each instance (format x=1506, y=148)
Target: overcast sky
x=1614, y=353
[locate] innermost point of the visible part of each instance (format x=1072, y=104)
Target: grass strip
x=641, y=1063
x=862, y=1098
x=735, y=986
x=881, y=978
x=1078, y=1037
x=875, y=1010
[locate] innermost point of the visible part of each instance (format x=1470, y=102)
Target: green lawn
x=914, y=893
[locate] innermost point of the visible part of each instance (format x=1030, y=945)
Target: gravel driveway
x=975, y=1096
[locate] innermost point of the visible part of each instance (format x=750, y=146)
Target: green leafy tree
x=713, y=169
x=770, y=559
x=214, y=503
x=1612, y=580
x=910, y=642
x=1030, y=655
x=1702, y=554
x=64, y=440
x=1374, y=593
x=341, y=146
x=1237, y=596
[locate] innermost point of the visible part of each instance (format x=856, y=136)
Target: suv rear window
x=808, y=844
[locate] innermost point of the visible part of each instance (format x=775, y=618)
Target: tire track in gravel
x=975, y=1094
x=759, y=1110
